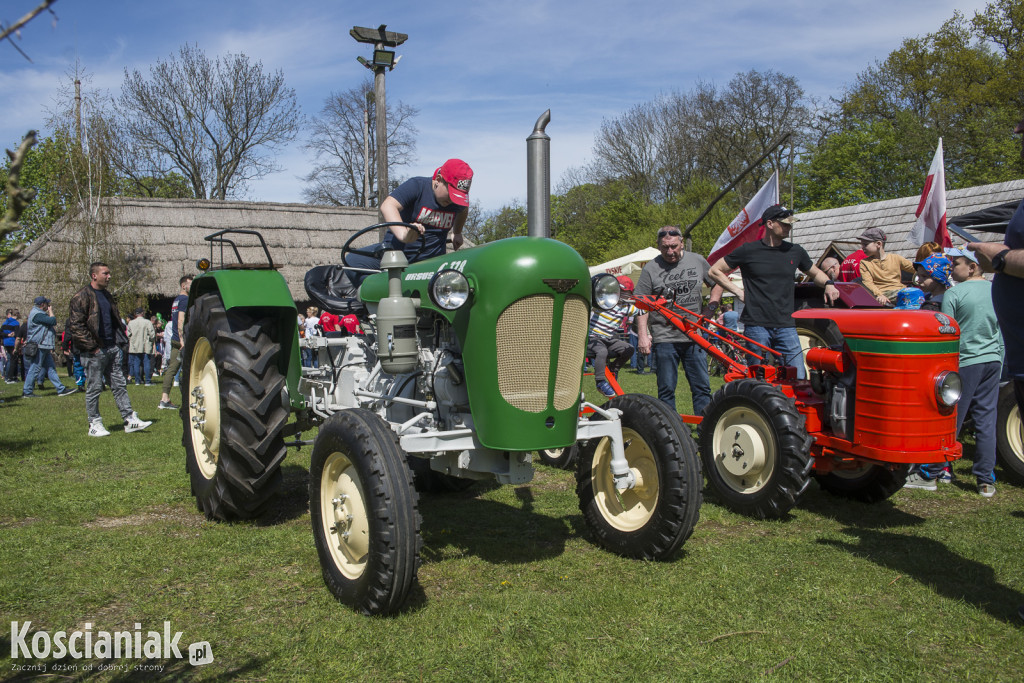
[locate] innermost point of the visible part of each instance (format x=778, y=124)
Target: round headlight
x=948, y=388
x=606, y=291
x=449, y=289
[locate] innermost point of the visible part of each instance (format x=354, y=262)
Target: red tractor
x=880, y=395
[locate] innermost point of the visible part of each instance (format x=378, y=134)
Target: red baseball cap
x=625, y=283
x=459, y=177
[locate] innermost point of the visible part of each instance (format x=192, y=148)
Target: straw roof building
x=167, y=234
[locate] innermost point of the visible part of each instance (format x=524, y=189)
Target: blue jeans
x=41, y=365
x=785, y=340
x=668, y=356
x=140, y=361
x=979, y=399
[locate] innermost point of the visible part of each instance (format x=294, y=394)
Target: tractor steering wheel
x=347, y=248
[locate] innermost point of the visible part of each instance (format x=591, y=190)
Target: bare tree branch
x=337, y=142
x=218, y=123
x=5, y=32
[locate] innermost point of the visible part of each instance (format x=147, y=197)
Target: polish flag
x=747, y=226
x=931, y=210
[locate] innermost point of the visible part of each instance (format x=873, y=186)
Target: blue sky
x=481, y=73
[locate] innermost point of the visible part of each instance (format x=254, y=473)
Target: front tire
x=363, y=509
x=233, y=410
x=756, y=451
x=868, y=484
x=1010, y=435
x=653, y=519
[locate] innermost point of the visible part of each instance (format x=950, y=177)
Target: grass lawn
x=924, y=586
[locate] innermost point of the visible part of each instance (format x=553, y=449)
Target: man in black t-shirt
x=768, y=267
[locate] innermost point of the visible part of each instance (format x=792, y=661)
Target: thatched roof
x=170, y=232
x=816, y=230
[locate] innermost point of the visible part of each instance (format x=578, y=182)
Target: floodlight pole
x=380, y=39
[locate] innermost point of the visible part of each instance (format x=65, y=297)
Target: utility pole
x=366, y=150
x=383, y=60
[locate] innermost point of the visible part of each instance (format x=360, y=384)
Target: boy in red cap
x=434, y=206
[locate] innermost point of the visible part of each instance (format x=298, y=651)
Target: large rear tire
x=233, y=409
x=653, y=519
x=755, y=448
x=1010, y=435
x=363, y=509
x=868, y=484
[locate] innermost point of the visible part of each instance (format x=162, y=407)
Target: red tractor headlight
x=948, y=388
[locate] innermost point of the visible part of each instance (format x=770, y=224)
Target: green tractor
x=466, y=366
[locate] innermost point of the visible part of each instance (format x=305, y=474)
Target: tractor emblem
x=560, y=285
x=944, y=326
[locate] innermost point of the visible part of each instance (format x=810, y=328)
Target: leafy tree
x=216, y=122
x=868, y=161
x=345, y=129
x=959, y=84
x=508, y=221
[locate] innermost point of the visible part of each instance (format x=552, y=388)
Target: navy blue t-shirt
x=419, y=205
x=768, y=281
x=1007, y=293
x=179, y=306
x=106, y=317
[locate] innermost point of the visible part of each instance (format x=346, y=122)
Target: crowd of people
x=950, y=281
x=99, y=348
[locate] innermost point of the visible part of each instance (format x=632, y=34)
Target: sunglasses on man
x=672, y=232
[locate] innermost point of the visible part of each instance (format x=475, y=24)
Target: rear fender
x=267, y=291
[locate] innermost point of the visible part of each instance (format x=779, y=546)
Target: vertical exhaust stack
x=538, y=179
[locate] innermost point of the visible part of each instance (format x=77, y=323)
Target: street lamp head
x=384, y=58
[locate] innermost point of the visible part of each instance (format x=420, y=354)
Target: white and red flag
x=747, y=225
x=931, y=210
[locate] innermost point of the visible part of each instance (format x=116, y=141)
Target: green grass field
x=924, y=586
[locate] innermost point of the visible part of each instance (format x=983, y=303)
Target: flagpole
x=751, y=167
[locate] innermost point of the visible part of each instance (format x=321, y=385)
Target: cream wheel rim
x=631, y=509
x=343, y=515
x=204, y=407
x=744, y=449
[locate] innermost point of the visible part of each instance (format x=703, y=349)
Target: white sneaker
x=135, y=424
x=96, y=428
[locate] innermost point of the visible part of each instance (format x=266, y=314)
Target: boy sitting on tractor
x=605, y=341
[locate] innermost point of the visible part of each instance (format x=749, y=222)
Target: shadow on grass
x=854, y=513
x=292, y=500
x=495, y=532
x=933, y=564
x=12, y=449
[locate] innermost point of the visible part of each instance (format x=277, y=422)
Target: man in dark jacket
x=97, y=330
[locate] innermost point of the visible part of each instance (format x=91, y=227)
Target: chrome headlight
x=948, y=388
x=449, y=289
x=606, y=291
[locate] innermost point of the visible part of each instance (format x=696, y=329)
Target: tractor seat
x=329, y=287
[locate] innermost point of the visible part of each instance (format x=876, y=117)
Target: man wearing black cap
x=38, y=350
x=768, y=267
